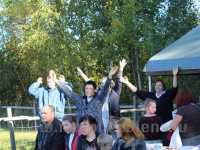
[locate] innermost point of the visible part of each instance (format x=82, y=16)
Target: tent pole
x=149, y=83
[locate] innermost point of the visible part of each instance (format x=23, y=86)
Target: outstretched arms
x=83, y=75
x=141, y=94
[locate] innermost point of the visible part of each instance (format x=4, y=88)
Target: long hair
x=129, y=129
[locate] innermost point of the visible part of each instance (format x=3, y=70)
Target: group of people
x=98, y=124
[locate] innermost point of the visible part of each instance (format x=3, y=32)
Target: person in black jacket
x=164, y=98
x=130, y=137
x=50, y=134
x=88, y=138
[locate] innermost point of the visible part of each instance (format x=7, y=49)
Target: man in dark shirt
x=50, y=134
x=164, y=98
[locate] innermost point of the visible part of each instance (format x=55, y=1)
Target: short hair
x=184, y=97
x=89, y=118
x=51, y=107
x=69, y=118
x=104, y=139
x=148, y=101
x=162, y=82
x=91, y=82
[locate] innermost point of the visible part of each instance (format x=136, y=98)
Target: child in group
x=70, y=128
x=150, y=123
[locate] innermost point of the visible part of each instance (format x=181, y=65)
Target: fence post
x=35, y=114
x=134, y=104
x=11, y=128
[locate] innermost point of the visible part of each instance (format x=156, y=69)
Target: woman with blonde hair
x=132, y=136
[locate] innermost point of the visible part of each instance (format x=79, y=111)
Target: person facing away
x=105, y=141
x=70, y=128
x=50, y=134
x=111, y=107
x=150, y=123
x=91, y=103
x=50, y=95
x=132, y=137
x=164, y=99
x=187, y=118
x=88, y=137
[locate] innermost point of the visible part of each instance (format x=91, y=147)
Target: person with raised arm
x=111, y=107
x=49, y=95
x=163, y=97
x=91, y=102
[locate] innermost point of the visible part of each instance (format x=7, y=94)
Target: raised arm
x=83, y=75
x=141, y=94
x=34, y=88
x=118, y=85
x=175, y=72
x=104, y=90
x=132, y=87
x=68, y=91
x=171, y=93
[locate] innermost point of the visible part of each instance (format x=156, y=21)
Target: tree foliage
x=38, y=35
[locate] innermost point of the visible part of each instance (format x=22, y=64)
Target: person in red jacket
x=70, y=128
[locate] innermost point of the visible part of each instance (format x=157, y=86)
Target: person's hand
x=124, y=79
x=175, y=71
x=122, y=63
x=113, y=71
x=39, y=80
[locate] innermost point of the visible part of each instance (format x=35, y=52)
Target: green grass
x=25, y=140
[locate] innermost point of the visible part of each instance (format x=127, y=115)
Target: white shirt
x=105, y=114
x=160, y=94
x=89, y=99
x=70, y=140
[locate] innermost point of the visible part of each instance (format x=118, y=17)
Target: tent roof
x=185, y=52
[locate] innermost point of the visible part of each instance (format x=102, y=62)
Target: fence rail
x=20, y=119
